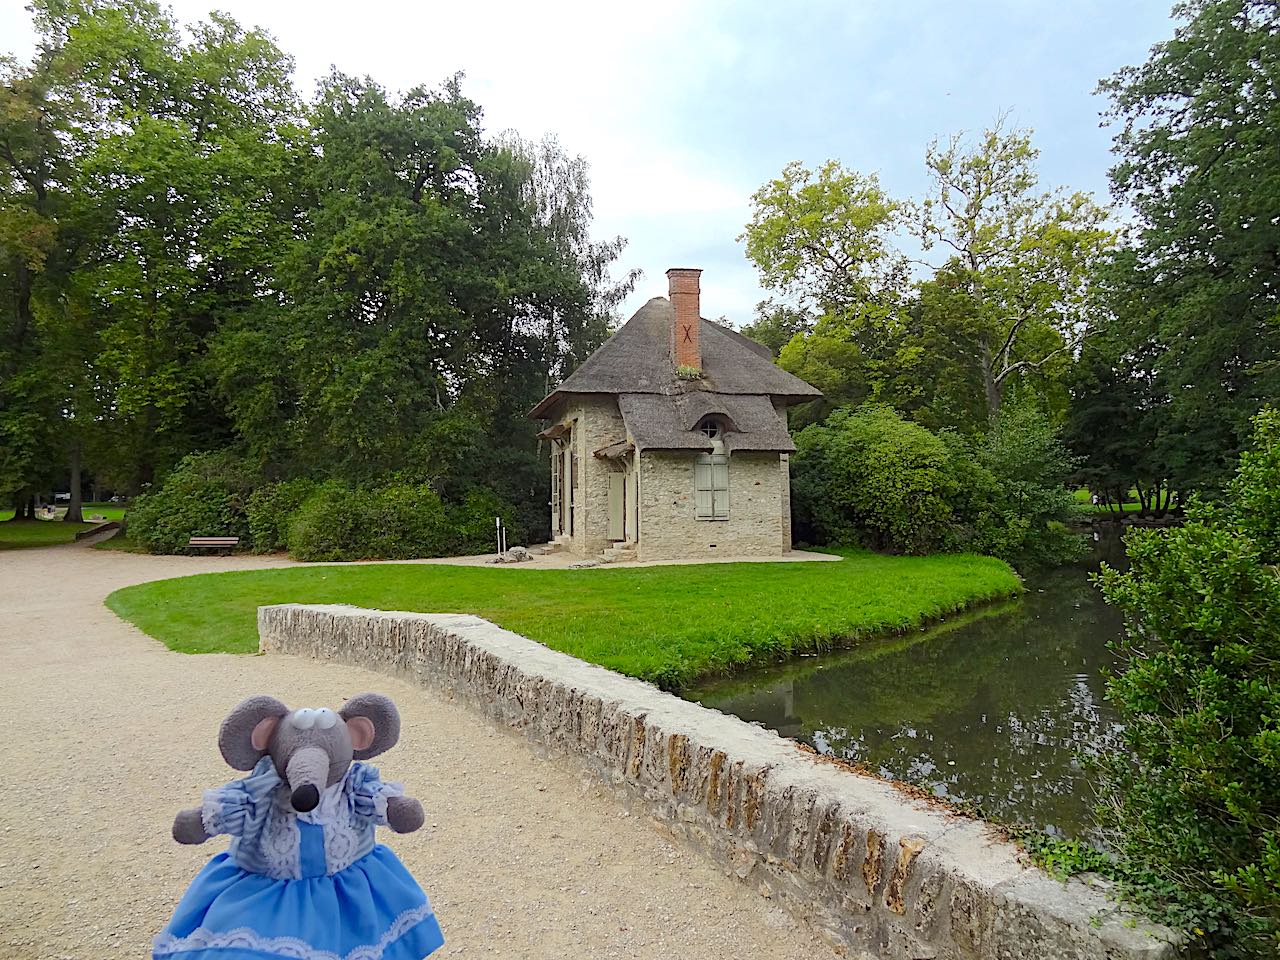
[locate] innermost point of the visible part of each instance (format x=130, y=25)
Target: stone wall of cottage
x=759, y=508
x=596, y=423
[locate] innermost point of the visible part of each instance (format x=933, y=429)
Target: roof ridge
x=637, y=359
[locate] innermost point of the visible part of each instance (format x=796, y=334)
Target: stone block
x=879, y=873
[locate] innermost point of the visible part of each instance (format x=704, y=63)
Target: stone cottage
x=671, y=440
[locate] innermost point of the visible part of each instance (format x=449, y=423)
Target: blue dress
x=301, y=886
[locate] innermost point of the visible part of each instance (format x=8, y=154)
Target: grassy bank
x=669, y=624
x=37, y=533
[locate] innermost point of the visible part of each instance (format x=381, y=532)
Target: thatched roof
x=658, y=422
x=637, y=360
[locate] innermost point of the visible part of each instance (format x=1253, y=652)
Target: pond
x=992, y=709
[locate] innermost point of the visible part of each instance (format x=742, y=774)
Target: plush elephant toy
x=303, y=876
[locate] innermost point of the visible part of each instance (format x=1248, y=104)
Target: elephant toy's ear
x=373, y=722
x=246, y=733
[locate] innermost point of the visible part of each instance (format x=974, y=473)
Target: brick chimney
x=685, y=298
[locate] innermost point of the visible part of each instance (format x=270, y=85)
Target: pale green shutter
x=702, y=487
x=720, y=486
x=711, y=486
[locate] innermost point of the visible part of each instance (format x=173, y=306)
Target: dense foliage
x=396, y=522
x=205, y=495
x=363, y=287
x=1012, y=500
x=997, y=317
x=271, y=508
x=1195, y=808
x=868, y=475
x=1195, y=308
x=212, y=495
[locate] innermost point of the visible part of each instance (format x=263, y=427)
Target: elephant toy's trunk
x=308, y=774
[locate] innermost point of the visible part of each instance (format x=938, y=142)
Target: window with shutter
x=711, y=486
x=711, y=475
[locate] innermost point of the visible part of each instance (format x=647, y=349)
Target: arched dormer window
x=711, y=474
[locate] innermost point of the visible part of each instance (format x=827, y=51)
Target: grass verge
x=669, y=624
x=15, y=534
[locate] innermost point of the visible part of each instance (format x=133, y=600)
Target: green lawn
x=112, y=511
x=37, y=533
x=1131, y=504
x=668, y=624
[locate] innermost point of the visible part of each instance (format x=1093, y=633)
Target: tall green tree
x=1002, y=312
x=1198, y=163
x=197, y=170
x=1022, y=258
x=39, y=114
x=439, y=282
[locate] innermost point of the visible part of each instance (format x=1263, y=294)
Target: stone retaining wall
x=876, y=873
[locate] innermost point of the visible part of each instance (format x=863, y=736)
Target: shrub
x=1012, y=500
x=397, y=522
x=271, y=508
x=866, y=475
x=203, y=496
x=472, y=522
x=1195, y=808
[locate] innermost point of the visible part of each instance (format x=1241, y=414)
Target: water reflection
x=993, y=709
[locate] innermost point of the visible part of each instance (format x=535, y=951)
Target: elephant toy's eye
x=326, y=719
x=304, y=719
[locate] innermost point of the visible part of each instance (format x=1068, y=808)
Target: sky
x=683, y=110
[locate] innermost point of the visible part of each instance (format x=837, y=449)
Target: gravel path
x=108, y=734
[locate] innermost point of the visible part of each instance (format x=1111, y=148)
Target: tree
x=556, y=188
x=776, y=325
x=38, y=116
x=197, y=170
x=1023, y=259
x=1004, y=312
x=1198, y=164
x=825, y=238
x=1118, y=421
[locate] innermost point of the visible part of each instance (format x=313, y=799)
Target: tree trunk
x=75, y=511
x=990, y=384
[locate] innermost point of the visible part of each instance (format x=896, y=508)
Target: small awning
x=555, y=431
x=615, y=450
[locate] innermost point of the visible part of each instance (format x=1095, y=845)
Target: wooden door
x=617, y=504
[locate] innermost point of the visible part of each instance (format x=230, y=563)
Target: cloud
x=683, y=109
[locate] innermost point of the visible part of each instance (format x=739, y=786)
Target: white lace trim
x=279, y=847
x=211, y=815
x=290, y=948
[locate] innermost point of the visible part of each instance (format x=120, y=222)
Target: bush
x=1194, y=807
x=397, y=522
x=1012, y=500
x=203, y=496
x=473, y=523
x=866, y=475
x=270, y=510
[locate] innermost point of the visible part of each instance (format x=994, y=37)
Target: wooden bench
x=213, y=543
